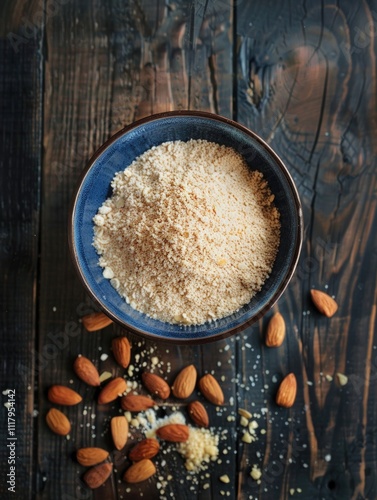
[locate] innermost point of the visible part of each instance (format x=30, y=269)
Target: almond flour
x=189, y=234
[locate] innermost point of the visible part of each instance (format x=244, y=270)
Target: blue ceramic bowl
x=118, y=152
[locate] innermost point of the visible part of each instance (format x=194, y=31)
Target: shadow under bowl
x=117, y=154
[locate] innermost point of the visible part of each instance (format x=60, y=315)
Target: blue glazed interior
x=95, y=188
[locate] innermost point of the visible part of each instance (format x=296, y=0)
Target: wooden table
x=303, y=76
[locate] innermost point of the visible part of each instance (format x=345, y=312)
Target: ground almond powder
x=189, y=234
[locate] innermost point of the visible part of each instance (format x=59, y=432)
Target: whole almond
x=275, y=333
x=58, y=422
x=184, y=383
x=62, y=395
x=86, y=371
x=122, y=351
x=286, y=394
x=156, y=385
x=119, y=431
x=91, y=456
x=135, y=402
x=198, y=413
x=95, y=321
x=147, y=448
x=177, y=433
x=139, y=471
x=324, y=303
x=112, y=390
x=211, y=390
x=96, y=476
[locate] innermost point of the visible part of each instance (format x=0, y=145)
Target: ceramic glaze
x=118, y=153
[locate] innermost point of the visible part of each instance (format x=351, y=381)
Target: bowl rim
x=295, y=257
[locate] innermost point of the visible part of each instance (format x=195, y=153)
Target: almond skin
x=95, y=321
x=135, y=402
x=184, y=383
x=275, y=333
x=96, y=476
x=324, y=303
x=156, y=385
x=91, y=456
x=286, y=394
x=122, y=351
x=198, y=414
x=119, y=431
x=62, y=395
x=211, y=389
x=58, y=422
x=147, y=448
x=112, y=390
x=86, y=371
x=177, y=433
x=139, y=471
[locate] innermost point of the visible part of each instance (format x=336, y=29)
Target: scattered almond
x=198, y=414
x=275, y=333
x=156, y=385
x=122, y=351
x=95, y=321
x=139, y=471
x=112, y=390
x=135, y=402
x=286, y=394
x=91, y=456
x=184, y=383
x=96, y=476
x=324, y=303
x=177, y=433
x=119, y=431
x=86, y=371
x=58, y=422
x=62, y=395
x=147, y=448
x=211, y=389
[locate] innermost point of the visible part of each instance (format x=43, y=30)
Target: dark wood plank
x=186, y=57
x=21, y=74
x=117, y=66
x=307, y=85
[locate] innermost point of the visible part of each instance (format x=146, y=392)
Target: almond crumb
x=255, y=473
x=104, y=376
x=224, y=479
x=343, y=379
x=243, y=421
x=247, y=437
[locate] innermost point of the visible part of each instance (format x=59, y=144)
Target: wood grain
x=304, y=88
x=303, y=76
x=107, y=78
x=21, y=77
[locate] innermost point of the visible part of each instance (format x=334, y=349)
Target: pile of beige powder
x=189, y=234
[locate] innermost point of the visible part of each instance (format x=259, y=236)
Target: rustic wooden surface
x=303, y=76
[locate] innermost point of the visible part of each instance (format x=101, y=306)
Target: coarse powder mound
x=201, y=447
x=189, y=234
